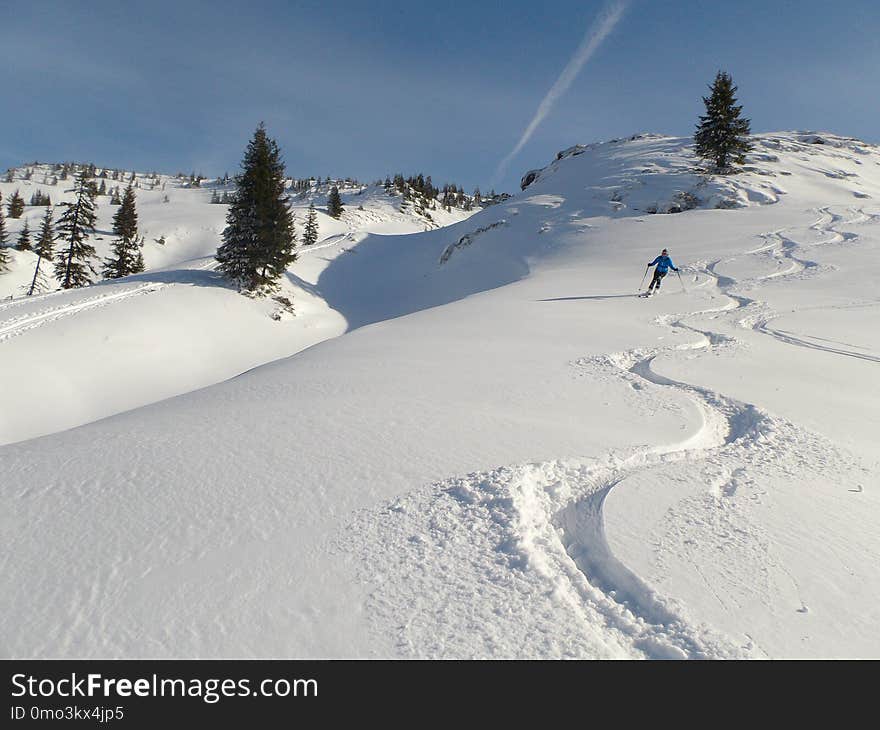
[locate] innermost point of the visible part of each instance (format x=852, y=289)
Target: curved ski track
x=545, y=521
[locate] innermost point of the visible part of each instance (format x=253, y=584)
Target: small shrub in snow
x=683, y=201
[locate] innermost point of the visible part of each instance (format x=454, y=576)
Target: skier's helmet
x=664, y=252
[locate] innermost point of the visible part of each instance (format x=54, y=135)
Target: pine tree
x=44, y=251
x=3, y=233
x=258, y=240
x=73, y=264
x=126, y=256
x=15, y=206
x=4, y=236
x=722, y=135
x=24, y=238
x=334, y=203
x=310, y=234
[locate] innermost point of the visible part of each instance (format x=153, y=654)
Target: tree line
x=65, y=245
x=258, y=241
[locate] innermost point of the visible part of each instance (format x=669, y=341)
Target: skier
x=664, y=263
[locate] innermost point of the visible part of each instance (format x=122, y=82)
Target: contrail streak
x=597, y=32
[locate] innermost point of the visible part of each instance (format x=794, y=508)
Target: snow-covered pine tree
x=4, y=237
x=310, y=234
x=126, y=256
x=722, y=134
x=44, y=251
x=24, y=238
x=73, y=264
x=258, y=240
x=15, y=206
x=334, y=203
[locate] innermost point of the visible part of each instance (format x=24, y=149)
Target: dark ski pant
x=655, y=282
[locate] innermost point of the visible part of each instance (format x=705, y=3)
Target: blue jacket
x=664, y=263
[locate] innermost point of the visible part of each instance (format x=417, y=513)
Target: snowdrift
x=178, y=326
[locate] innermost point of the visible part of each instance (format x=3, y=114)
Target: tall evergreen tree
x=258, y=240
x=4, y=237
x=126, y=255
x=24, y=238
x=334, y=203
x=722, y=134
x=310, y=234
x=44, y=251
x=73, y=264
x=15, y=206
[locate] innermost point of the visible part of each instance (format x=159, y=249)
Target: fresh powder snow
x=470, y=441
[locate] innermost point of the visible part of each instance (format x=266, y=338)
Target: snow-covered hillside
x=176, y=327
x=508, y=454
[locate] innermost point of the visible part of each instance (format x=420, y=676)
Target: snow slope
x=176, y=327
x=508, y=454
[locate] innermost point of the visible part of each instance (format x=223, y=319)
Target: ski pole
x=643, y=278
x=681, y=282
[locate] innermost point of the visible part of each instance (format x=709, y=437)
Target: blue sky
x=446, y=88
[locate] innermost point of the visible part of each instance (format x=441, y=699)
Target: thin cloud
x=601, y=28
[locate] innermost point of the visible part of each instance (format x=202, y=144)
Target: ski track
x=784, y=248
x=545, y=522
x=17, y=325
